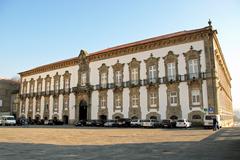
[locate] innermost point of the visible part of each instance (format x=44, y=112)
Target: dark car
x=57, y=122
x=80, y=123
x=50, y=122
x=168, y=123
x=111, y=123
x=89, y=123
x=98, y=123
x=124, y=122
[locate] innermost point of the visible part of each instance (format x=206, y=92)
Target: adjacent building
x=173, y=76
x=9, y=91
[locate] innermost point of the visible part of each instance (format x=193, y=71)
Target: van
x=208, y=120
x=8, y=120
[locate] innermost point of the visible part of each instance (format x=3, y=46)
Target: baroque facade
x=174, y=76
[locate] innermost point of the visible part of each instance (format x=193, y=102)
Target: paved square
x=105, y=144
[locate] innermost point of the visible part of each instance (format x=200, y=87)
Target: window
x=104, y=80
x=103, y=102
x=48, y=86
x=152, y=73
x=38, y=103
x=25, y=89
x=65, y=104
x=83, y=79
x=23, y=106
x=118, y=101
x=134, y=76
x=39, y=88
x=55, y=104
x=118, y=79
x=171, y=71
x=173, y=98
x=193, y=68
x=135, y=101
x=153, y=99
x=196, y=116
x=196, y=97
x=56, y=85
x=66, y=84
x=32, y=88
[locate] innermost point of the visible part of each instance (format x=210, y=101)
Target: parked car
x=208, y=120
x=80, y=123
x=57, y=122
x=168, y=123
x=123, y=122
x=8, y=120
x=111, y=123
x=50, y=122
x=150, y=123
x=183, y=123
x=89, y=123
x=99, y=123
x=135, y=123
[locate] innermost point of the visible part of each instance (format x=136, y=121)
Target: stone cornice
x=224, y=65
x=130, y=48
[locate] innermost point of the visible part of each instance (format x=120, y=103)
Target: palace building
x=173, y=76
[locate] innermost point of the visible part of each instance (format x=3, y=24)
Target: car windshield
x=10, y=118
x=135, y=120
x=210, y=117
x=181, y=120
x=165, y=121
x=146, y=120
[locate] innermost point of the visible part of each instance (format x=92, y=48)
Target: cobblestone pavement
x=116, y=144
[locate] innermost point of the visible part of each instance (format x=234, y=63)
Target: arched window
x=196, y=116
x=117, y=117
x=153, y=117
x=134, y=117
x=173, y=117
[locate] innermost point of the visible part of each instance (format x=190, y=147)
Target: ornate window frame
x=25, y=84
x=55, y=104
x=134, y=64
x=32, y=85
x=102, y=111
x=66, y=105
x=150, y=90
x=118, y=67
x=134, y=111
x=23, y=108
x=66, y=78
x=173, y=110
x=46, y=104
x=39, y=83
x=56, y=82
x=103, y=70
x=118, y=93
x=83, y=68
x=191, y=55
x=38, y=105
x=48, y=81
x=152, y=61
x=195, y=85
x=30, y=106
x=171, y=58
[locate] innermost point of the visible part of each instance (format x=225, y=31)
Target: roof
x=94, y=55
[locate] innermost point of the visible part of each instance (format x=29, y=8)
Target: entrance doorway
x=103, y=117
x=83, y=110
x=65, y=119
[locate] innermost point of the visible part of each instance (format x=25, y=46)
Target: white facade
x=183, y=86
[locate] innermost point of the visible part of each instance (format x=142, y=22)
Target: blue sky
x=37, y=32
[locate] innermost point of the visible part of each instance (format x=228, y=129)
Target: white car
x=208, y=120
x=135, y=123
x=8, y=120
x=150, y=123
x=183, y=123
